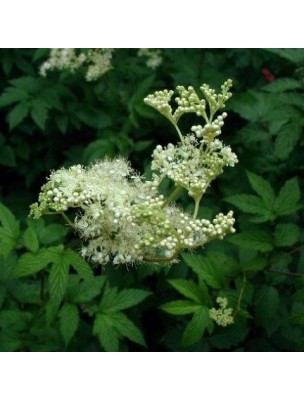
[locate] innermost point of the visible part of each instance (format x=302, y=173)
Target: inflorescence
x=96, y=62
x=121, y=216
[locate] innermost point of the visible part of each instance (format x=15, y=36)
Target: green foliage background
x=52, y=300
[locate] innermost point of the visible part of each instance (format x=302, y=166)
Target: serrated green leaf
x=87, y=290
x=248, y=203
x=7, y=243
x=180, y=307
x=58, y=279
x=296, y=56
x=79, y=264
x=267, y=303
x=194, y=261
x=106, y=332
x=28, y=84
x=231, y=336
x=14, y=320
x=262, y=188
x=69, y=321
x=288, y=198
x=254, y=240
x=9, y=222
x=188, y=289
x=127, y=328
x=18, y=114
x=114, y=301
x=39, y=113
x=196, y=327
x=286, y=140
x=30, y=263
x=257, y=264
x=48, y=234
x=286, y=235
x=282, y=85
x=31, y=240
x=11, y=96
x=204, y=268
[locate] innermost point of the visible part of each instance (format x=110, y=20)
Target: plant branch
x=172, y=196
x=238, y=306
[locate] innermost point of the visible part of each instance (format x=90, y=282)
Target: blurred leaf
x=31, y=240
x=282, y=85
x=18, y=114
x=286, y=235
x=180, y=307
x=7, y=156
x=39, y=113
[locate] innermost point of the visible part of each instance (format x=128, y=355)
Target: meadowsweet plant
x=124, y=218
x=96, y=62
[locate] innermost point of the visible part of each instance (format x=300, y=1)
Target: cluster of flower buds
x=123, y=218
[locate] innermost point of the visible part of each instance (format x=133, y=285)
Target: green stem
x=172, y=196
x=179, y=133
x=238, y=306
x=67, y=219
x=160, y=260
x=196, y=207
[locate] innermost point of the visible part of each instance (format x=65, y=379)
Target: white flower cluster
x=121, y=217
x=223, y=316
x=96, y=61
x=153, y=56
x=124, y=218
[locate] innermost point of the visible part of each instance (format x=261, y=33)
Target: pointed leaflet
x=58, y=278
x=196, y=327
x=9, y=222
x=106, y=332
x=203, y=268
x=188, y=289
x=254, y=240
x=262, y=188
x=116, y=301
x=30, y=263
x=78, y=263
x=30, y=240
x=18, y=114
x=180, y=307
x=248, y=203
x=288, y=198
x=69, y=320
x=286, y=140
x=267, y=302
x=127, y=328
x=286, y=235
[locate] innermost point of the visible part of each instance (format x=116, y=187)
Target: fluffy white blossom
x=95, y=61
x=124, y=218
x=153, y=57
